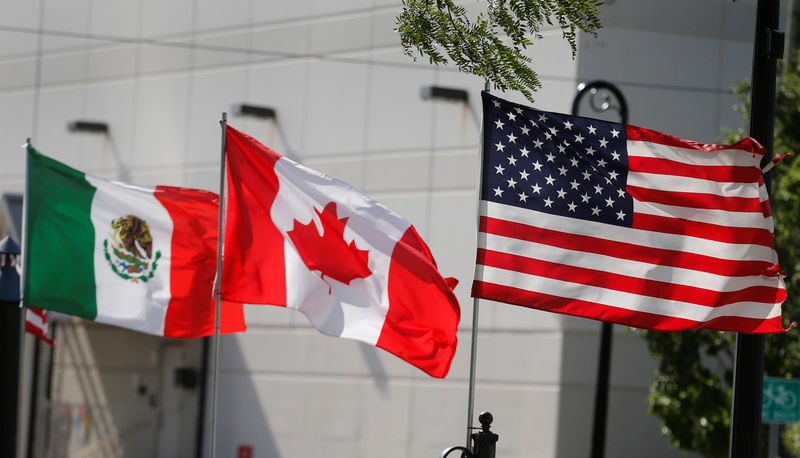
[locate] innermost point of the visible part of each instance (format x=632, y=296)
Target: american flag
x=623, y=224
x=36, y=323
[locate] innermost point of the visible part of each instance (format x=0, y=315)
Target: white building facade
x=347, y=103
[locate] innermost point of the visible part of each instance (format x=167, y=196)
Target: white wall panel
x=336, y=108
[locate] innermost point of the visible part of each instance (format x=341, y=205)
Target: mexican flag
x=135, y=257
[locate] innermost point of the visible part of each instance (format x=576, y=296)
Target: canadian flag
x=303, y=240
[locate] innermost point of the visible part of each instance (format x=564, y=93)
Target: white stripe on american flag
x=720, y=217
x=609, y=232
x=635, y=269
x=624, y=300
x=732, y=157
x=687, y=184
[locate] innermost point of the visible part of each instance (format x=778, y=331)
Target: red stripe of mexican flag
x=135, y=257
x=300, y=239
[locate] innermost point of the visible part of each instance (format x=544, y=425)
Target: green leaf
x=491, y=45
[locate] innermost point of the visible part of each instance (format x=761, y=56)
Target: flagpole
x=474, y=344
x=472, y=361
x=217, y=286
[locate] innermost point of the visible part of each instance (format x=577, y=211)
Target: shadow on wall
x=576, y=401
x=115, y=393
x=241, y=423
x=96, y=408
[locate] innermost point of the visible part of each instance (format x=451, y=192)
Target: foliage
x=436, y=28
x=691, y=393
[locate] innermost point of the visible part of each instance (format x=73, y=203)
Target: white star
x=511, y=183
x=548, y=202
x=537, y=166
x=561, y=193
x=524, y=151
x=536, y=188
x=499, y=168
x=595, y=211
x=542, y=117
x=590, y=151
x=585, y=198
x=561, y=148
x=574, y=162
x=512, y=160
x=601, y=162
x=603, y=142
x=550, y=157
x=518, y=110
x=592, y=129
x=512, y=116
x=574, y=184
x=500, y=146
x=537, y=143
x=512, y=138
x=621, y=216
x=609, y=202
x=615, y=133
x=549, y=179
x=498, y=192
x=548, y=135
x=572, y=206
x=499, y=124
x=586, y=175
x=523, y=175
x=615, y=155
x=525, y=130
x=562, y=170
x=496, y=103
x=523, y=197
x=553, y=130
x=613, y=175
x=620, y=193
x=598, y=189
x=579, y=138
x=568, y=125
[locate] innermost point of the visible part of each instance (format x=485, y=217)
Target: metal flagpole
x=217, y=286
x=748, y=383
x=474, y=343
x=473, y=351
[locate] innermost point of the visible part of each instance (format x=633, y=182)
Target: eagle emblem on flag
x=131, y=255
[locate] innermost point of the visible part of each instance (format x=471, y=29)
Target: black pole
x=745, y=438
x=606, y=330
x=33, y=413
x=10, y=333
x=201, y=408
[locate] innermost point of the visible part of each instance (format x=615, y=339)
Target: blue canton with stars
x=554, y=163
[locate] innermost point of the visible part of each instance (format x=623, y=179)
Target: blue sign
x=779, y=403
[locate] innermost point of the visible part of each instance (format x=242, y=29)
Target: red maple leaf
x=329, y=253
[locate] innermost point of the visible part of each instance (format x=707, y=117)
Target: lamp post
x=10, y=333
x=601, y=101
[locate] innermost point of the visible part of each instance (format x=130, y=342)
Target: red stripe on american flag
x=627, y=284
x=716, y=232
x=717, y=173
x=766, y=209
x=618, y=315
x=635, y=133
x=696, y=200
x=623, y=250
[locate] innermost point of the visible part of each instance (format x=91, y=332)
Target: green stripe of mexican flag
x=136, y=257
